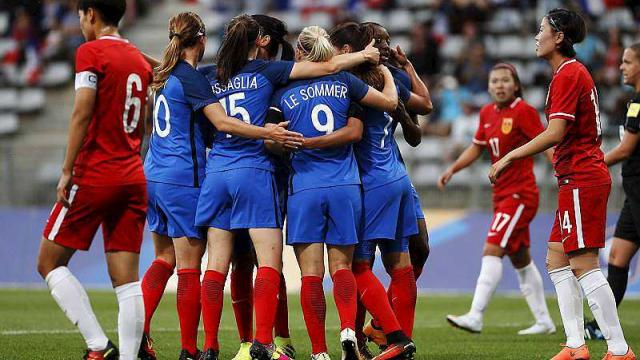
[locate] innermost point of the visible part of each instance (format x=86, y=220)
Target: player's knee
x=616, y=258
x=44, y=268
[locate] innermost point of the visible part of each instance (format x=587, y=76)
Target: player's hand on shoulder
x=62, y=190
x=444, y=178
x=371, y=53
x=289, y=139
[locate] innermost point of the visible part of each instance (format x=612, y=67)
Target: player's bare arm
x=420, y=100
x=550, y=137
x=309, y=69
x=151, y=60
x=623, y=150
x=387, y=100
x=230, y=125
x=411, y=130
x=80, y=118
x=351, y=133
x=468, y=156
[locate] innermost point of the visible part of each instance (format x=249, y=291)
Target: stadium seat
x=9, y=123
x=4, y=22
x=400, y=20
x=504, y=21
x=56, y=74
x=30, y=100
x=8, y=99
x=452, y=46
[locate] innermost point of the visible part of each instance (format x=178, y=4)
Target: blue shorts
x=171, y=210
x=330, y=215
x=389, y=211
x=244, y=198
x=281, y=177
x=366, y=250
x=416, y=202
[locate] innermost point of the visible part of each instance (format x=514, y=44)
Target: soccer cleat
x=465, y=322
x=109, y=353
x=349, y=345
x=539, y=329
x=284, y=346
x=320, y=356
x=260, y=351
x=374, y=334
x=567, y=353
x=592, y=331
x=146, y=351
x=243, y=352
x=210, y=354
x=186, y=355
x=405, y=350
x=628, y=356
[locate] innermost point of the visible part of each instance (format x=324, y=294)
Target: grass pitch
x=33, y=327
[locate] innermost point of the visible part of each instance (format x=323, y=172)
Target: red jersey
x=110, y=153
x=573, y=97
x=503, y=130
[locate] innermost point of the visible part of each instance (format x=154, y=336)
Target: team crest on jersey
x=507, y=125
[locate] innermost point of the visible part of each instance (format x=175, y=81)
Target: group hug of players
x=310, y=137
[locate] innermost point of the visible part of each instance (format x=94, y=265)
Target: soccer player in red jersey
x=505, y=124
x=102, y=181
x=584, y=186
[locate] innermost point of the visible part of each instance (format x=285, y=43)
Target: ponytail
x=314, y=43
x=239, y=38
x=358, y=37
x=277, y=31
x=185, y=29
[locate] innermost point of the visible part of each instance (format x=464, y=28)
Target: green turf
x=32, y=327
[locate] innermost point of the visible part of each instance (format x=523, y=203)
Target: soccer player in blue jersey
x=174, y=166
x=388, y=205
x=239, y=190
x=324, y=206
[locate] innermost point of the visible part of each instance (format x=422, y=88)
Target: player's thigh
x=419, y=244
x=310, y=258
x=582, y=214
x=75, y=227
x=123, y=267
x=556, y=257
x=124, y=219
x=490, y=249
x=343, y=215
x=306, y=217
x=219, y=249
x=521, y=257
x=268, y=245
x=622, y=251
x=583, y=261
x=394, y=258
x=189, y=252
x=51, y=256
x=244, y=256
x=163, y=247
x=340, y=257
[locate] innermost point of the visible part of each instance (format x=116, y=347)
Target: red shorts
x=581, y=217
x=121, y=210
x=510, y=223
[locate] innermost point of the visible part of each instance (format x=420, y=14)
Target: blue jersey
x=314, y=108
x=377, y=153
x=177, y=146
x=246, y=96
x=401, y=78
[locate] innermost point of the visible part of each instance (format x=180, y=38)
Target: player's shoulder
x=209, y=71
x=487, y=108
x=572, y=73
x=524, y=107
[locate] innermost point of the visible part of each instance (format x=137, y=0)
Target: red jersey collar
x=565, y=63
x=112, y=37
x=513, y=104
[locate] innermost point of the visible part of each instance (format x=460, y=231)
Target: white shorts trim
x=578, y=216
x=62, y=214
x=512, y=226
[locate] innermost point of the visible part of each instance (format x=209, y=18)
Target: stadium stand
x=451, y=43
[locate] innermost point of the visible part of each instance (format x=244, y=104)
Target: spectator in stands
x=22, y=64
x=424, y=53
x=473, y=69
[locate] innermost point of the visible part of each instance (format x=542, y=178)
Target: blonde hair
x=185, y=29
x=314, y=42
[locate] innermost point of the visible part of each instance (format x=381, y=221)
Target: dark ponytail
x=239, y=38
x=277, y=31
x=358, y=37
x=572, y=25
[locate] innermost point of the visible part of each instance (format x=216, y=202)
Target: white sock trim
x=128, y=290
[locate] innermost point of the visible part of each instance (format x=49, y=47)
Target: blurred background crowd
x=452, y=44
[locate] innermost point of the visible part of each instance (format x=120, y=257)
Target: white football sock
x=533, y=291
x=130, y=319
x=490, y=275
x=603, y=306
x=74, y=302
x=570, y=304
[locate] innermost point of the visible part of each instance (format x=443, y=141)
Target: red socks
x=242, y=300
x=345, y=294
x=374, y=298
x=188, y=304
x=265, y=298
x=212, y=300
x=314, y=309
x=282, y=315
x=404, y=293
x=361, y=313
x=153, y=284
